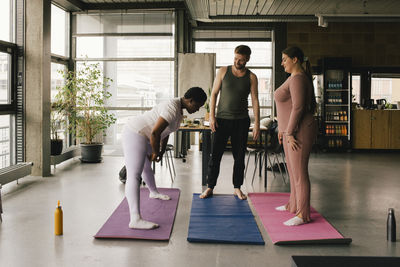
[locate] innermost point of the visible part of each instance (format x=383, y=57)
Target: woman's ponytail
x=313, y=103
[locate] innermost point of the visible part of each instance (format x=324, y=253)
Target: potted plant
x=56, y=124
x=82, y=99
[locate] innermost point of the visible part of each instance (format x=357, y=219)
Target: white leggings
x=136, y=149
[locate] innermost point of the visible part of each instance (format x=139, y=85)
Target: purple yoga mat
x=159, y=211
x=318, y=231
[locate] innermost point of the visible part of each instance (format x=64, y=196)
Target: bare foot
x=207, y=193
x=239, y=194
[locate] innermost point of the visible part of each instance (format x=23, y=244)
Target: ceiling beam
x=136, y=5
x=260, y=18
x=70, y=5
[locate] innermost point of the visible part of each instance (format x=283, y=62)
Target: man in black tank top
x=233, y=84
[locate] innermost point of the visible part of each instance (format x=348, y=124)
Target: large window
x=6, y=142
x=135, y=50
x=356, y=87
x=386, y=86
x=58, y=80
x=59, y=31
x=8, y=53
x=260, y=64
x=5, y=78
x=6, y=17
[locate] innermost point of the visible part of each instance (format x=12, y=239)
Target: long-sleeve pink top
x=293, y=99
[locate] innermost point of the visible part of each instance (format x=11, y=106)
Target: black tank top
x=234, y=93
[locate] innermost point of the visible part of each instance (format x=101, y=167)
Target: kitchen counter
x=376, y=129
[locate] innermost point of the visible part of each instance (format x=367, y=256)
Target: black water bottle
x=391, y=226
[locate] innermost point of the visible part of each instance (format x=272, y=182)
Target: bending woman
x=295, y=104
x=145, y=138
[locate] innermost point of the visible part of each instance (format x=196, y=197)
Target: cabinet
x=395, y=129
x=361, y=129
x=376, y=129
x=336, y=103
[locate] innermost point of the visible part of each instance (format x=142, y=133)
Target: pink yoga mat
x=318, y=231
x=159, y=211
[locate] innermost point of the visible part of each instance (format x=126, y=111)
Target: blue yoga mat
x=222, y=219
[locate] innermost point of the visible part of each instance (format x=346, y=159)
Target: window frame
x=265, y=67
x=11, y=108
x=11, y=49
x=383, y=75
x=77, y=59
x=68, y=41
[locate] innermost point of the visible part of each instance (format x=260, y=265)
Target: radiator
x=13, y=173
x=68, y=153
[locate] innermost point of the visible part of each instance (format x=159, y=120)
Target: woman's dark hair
x=243, y=50
x=294, y=51
x=197, y=94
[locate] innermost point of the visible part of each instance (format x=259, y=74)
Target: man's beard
x=239, y=66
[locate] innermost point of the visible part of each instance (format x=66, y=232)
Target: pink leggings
x=297, y=163
x=136, y=149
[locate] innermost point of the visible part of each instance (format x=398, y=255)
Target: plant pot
x=91, y=153
x=56, y=147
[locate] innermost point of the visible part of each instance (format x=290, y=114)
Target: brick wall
x=369, y=44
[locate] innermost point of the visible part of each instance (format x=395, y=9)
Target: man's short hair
x=197, y=94
x=243, y=50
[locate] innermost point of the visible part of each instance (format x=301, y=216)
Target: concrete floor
x=352, y=190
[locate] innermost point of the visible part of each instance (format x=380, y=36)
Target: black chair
x=275, y=150
x=170, y=161
x=258, y=150
x=122, y=175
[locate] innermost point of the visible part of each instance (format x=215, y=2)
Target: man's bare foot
x=207, y=193
x=239, y=194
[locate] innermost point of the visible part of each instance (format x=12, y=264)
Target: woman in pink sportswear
x=295, y=103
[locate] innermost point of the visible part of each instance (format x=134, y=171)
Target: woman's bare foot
x=207, y=193
x=239, y=194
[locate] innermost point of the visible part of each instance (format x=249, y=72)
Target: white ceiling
x=272, y=10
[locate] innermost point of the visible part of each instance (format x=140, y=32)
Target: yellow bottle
x=58, y=220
